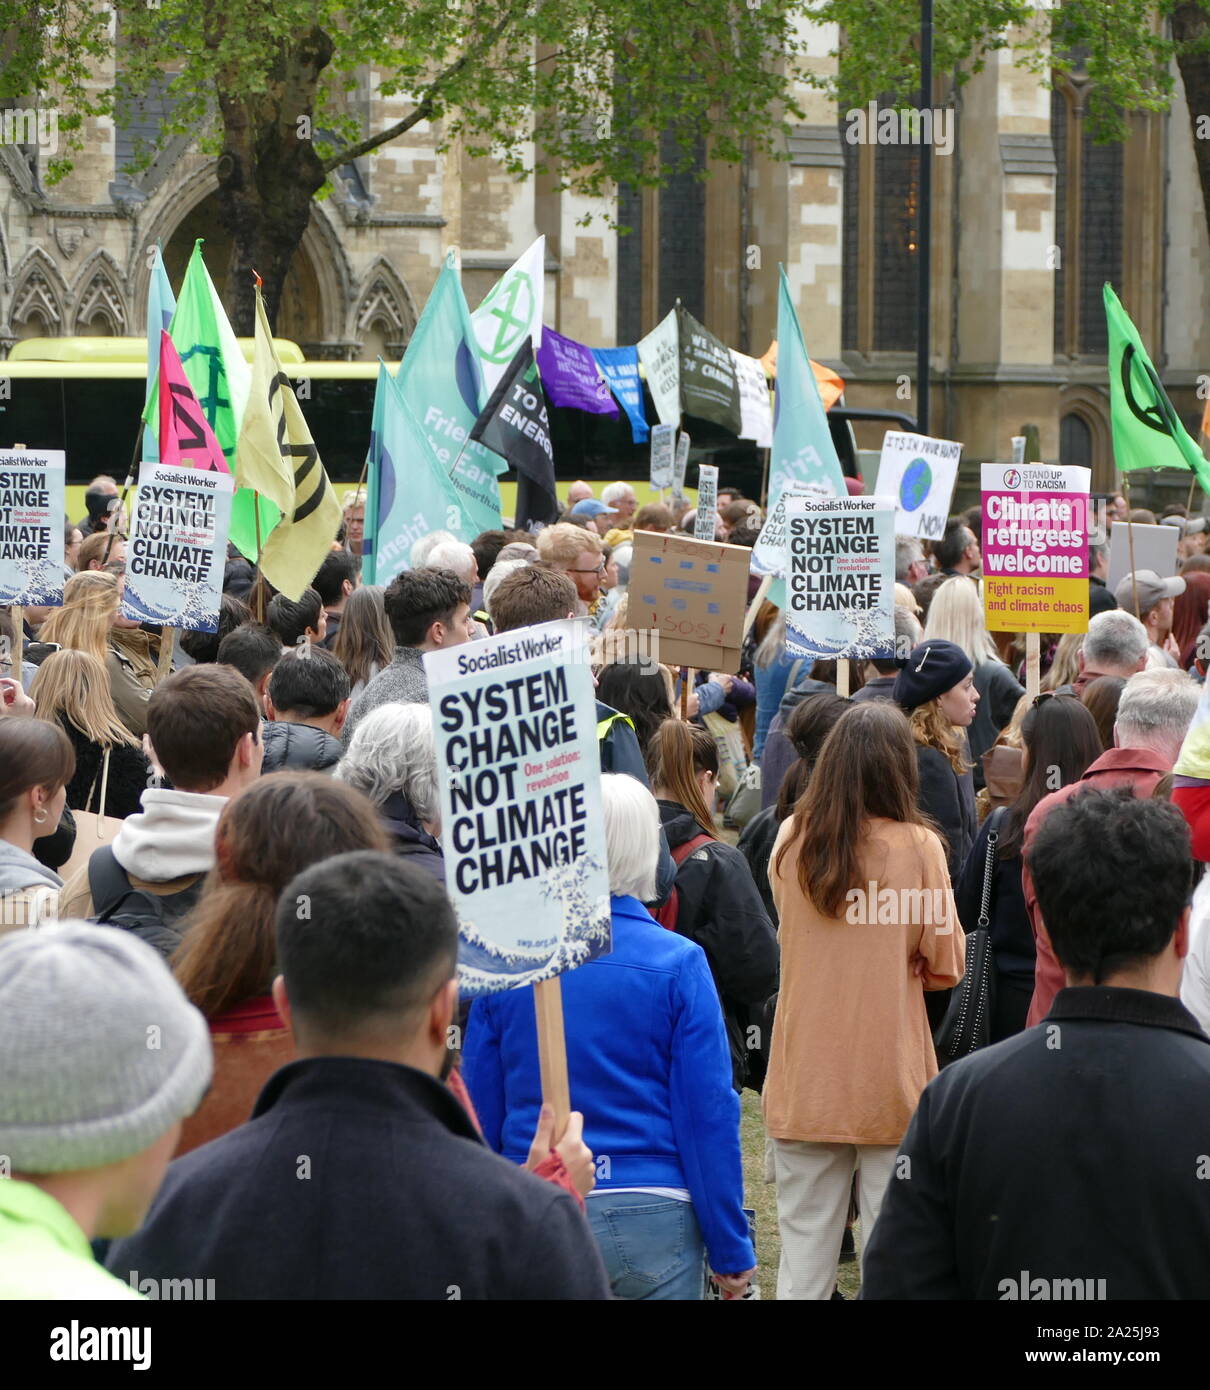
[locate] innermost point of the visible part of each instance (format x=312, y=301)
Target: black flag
x=515, y=424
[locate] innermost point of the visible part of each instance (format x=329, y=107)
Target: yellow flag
x=277, y=456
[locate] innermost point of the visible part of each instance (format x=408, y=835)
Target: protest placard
x=31, y=526
x=661, y=456
x=694, y=594
x=660, y=354
x=840, y=577
x=1035, y=548
x=769, y=552
x=680, y=464
x=919, y=473
x=178, y=547
x=707, y=502
x=1154, y=549
x=514, y=719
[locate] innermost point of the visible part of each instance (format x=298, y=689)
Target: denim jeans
x=651, y=1246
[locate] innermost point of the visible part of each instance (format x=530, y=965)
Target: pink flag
x=186, y=439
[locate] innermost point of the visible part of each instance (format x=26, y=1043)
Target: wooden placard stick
x=552, y=1051
x=843, y=676
x=1130, y=541
x=167, y=644
x=1033, y=664
x=16, y=618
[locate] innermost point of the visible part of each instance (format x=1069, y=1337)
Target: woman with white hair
x=391, y=759
x=956, y=615
x=649, y=1067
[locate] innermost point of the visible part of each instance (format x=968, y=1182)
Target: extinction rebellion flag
x=515, y=424
x=1147, y=431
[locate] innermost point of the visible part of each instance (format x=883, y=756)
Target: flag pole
x=258, y=587
x=1130, y=539
x=131, y=474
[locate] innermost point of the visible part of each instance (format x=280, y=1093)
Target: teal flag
x=441, y=382
x=410, y=494
x=803, y=451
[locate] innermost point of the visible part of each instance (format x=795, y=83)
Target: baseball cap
x=1151, y=589
x=591, y=507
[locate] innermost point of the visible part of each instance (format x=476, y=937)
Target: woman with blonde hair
x=936, y=689
x=1065, y=664
x=71, y=688
x=956, y=615
x=85, y=623
x=364, y=644
x=868, y=925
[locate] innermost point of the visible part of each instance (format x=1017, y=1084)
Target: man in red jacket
x=1155, y=711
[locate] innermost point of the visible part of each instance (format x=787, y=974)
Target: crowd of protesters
x=236, y=843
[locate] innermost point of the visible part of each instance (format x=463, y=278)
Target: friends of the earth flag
x=660, y=355
x=571, y=377
x=161, y=305
x=1147, y=432
x=803, y=451
x=709, y=388
x=441, y=382
x=516, y=425
x=512, y=311
x=186, y=439
x=410, y=492
x=31, y=526
x=620, y=368
x=515, y=728
x=178, y=547
x=311, y=514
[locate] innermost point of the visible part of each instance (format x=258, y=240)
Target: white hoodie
x=173, y=835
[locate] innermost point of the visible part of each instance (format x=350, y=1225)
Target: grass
x=762, y=1197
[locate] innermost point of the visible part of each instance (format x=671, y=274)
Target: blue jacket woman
x=649, y=1068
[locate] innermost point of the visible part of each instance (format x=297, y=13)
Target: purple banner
x=571, y=377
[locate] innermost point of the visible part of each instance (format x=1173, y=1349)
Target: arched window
x=1089, y=192
x=1075, y=441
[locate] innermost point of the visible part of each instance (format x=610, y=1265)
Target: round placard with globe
x=915, y=484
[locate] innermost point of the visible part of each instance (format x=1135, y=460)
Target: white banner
x=660, y=354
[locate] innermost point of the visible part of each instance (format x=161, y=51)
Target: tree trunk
x=268, y=174
x=1190, y=23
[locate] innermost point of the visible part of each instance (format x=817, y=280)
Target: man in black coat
x=307, y=702
x=360, y=1175
x=1069, y=1162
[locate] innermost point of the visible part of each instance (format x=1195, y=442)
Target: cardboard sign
x=1154, y=549
x=694, y=594
x=178, y=547
x=515, y=725
x=707, y=502
x=31, y=526
x=840, y=577
x=1035, y=548
x=661, y=456
x=919, y=473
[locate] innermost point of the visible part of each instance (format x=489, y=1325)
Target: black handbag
x=967, y=1024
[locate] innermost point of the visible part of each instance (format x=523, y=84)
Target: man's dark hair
x=195, y=720
x=203, y=647
x=290, y=619
x=338, y=566
x=744, y=534
x=735, y=493
x=378, y=936
x=1113, y=873
x=973, y=520
x=252, y=649
x=308, y=682
x=536, y=594
x=953, y=545
x=416, y=599
x=486, y=548
x=924, y=589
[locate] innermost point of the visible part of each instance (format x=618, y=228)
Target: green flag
x=221, y=379
x=1147, y=432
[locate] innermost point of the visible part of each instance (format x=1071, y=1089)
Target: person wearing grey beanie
x=103, y=1057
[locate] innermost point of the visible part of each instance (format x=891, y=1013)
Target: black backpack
x=154, y=917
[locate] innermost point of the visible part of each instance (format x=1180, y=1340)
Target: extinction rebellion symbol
x=512, y=309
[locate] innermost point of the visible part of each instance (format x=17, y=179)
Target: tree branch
x=426, y=107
